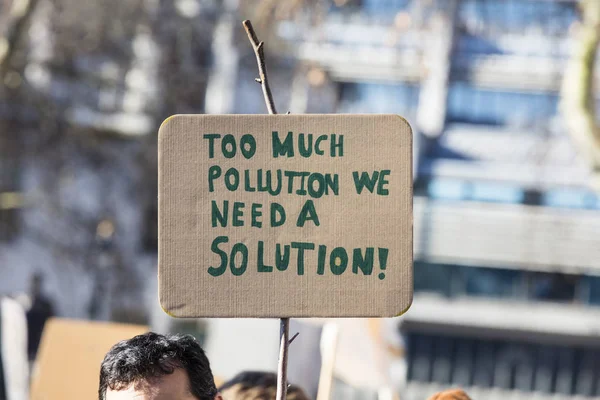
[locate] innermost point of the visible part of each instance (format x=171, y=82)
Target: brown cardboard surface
x=68, y=363
x=196, y=275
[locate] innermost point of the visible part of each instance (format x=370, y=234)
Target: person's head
x=452, y=394
x=36, y=283
x=257, y=386
x=157, y=367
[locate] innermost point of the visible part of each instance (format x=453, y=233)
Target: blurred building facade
x=507, y=282
x=507, y=277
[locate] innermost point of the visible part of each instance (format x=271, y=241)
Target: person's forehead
x=173, y=386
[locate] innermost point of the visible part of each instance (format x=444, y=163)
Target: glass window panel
x=384, y=6
x=484, y=364
x=490, y=282
x=510, y=364
x=421, y=350
x=595, y=203
x=442, y=364
x=463, y=362
x=545, y=369
x=564, y=374
x=447, y=189
x=523, y=375
x=432, y=278
x=553, y=287
x=594, y=285
x=379, y=98
x=516, y=16
x=584, y=373
x=467, y=103
x=569, y=198
x=496, y=192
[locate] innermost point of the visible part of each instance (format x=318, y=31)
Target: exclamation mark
x=383, y=255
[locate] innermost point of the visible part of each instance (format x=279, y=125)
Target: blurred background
x=501, y=99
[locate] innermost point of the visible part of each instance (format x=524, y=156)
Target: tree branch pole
x=284, y=343
x=262, y=67
x=284, y=323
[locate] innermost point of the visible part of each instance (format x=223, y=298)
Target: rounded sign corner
x=165, y=125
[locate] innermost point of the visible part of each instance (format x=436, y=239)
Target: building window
x=447, y=189
x=516, y=16
x=384, y=7
x=553, y=287
x=507, y=364
x=491, y=282
x=457, y=189
x=379, y=98
x=433, y=278
x=455, y=281
x=594, y=290
x=571, y=198
x=496, y=192
x=470, y=104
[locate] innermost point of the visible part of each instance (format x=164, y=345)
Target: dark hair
x=152, y=355
x=256, y=385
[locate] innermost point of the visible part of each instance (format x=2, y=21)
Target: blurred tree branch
x=19, y=16
x=578, y=100
x=268, y=11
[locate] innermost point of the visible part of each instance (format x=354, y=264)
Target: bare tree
x=19, y=15
x=578, y=100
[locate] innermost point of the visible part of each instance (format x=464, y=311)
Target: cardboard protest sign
x=68, y=362
x=285, y=215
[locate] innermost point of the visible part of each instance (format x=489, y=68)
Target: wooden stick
x=284, y=323
x=258, y=47
x=284, y=343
